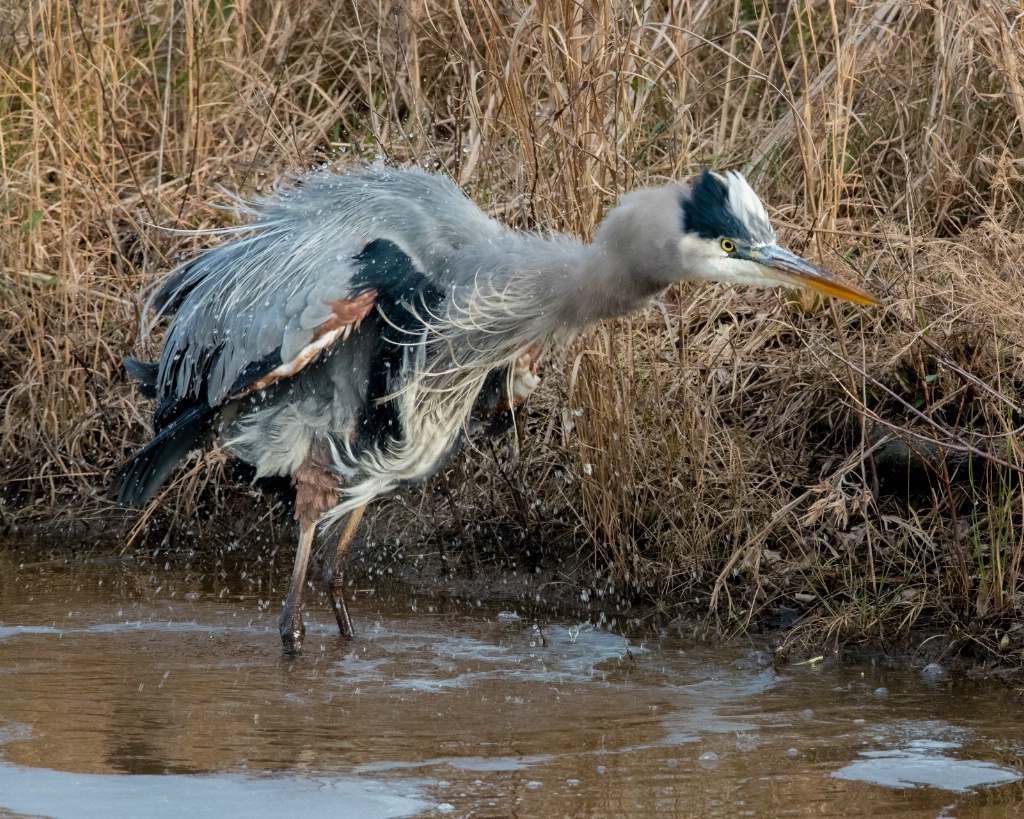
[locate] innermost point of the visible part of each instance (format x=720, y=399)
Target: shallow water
x=134, y=688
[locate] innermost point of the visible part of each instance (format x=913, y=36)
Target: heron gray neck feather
x=557, y=286
x=603, y=286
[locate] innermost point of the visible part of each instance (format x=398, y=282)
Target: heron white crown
x=726, y=206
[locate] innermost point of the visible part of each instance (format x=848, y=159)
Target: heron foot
x=335, y=582
x=293, y=631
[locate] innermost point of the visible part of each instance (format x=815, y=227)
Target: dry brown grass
x=731, y=447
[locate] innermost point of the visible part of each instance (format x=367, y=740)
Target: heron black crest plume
x=351, y=335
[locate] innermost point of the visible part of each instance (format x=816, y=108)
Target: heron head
x=727, y=238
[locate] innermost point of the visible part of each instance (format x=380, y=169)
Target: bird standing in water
x=353, y=332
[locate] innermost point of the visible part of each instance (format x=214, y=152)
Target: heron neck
x=634, y=257
x=526, y=288
x=600, y=285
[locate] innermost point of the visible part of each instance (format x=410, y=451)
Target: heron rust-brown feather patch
x=348, y=314
x=316, y=489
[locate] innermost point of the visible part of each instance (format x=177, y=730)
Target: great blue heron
x=352, y=333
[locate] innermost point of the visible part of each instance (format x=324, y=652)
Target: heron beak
x=789, y=269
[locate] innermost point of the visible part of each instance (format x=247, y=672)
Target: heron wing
x=255, y=314
x=284, y=280
x=216, y=353
x=380, y=286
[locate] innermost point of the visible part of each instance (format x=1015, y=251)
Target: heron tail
x=139, y=479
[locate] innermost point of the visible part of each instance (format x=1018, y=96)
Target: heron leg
x=291, y=626
x=316, y=491
x=334, y=574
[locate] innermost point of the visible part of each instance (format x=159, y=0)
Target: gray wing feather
x=268, y=331
x=271, y=288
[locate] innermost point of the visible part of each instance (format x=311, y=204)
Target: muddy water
x=132, y=688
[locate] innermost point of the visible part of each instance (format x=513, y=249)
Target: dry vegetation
x=741, y=450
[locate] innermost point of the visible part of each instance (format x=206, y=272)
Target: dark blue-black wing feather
x=405, y=298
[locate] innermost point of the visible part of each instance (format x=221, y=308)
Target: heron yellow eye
x=728, y=246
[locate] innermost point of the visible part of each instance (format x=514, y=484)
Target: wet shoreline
x=562, y=587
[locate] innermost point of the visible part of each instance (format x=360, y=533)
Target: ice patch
x=58, y=794
x=922, y=763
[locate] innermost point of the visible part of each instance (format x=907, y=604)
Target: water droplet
x=746, y=741
x=708, y=760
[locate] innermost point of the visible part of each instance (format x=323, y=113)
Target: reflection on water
x=125, y=687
